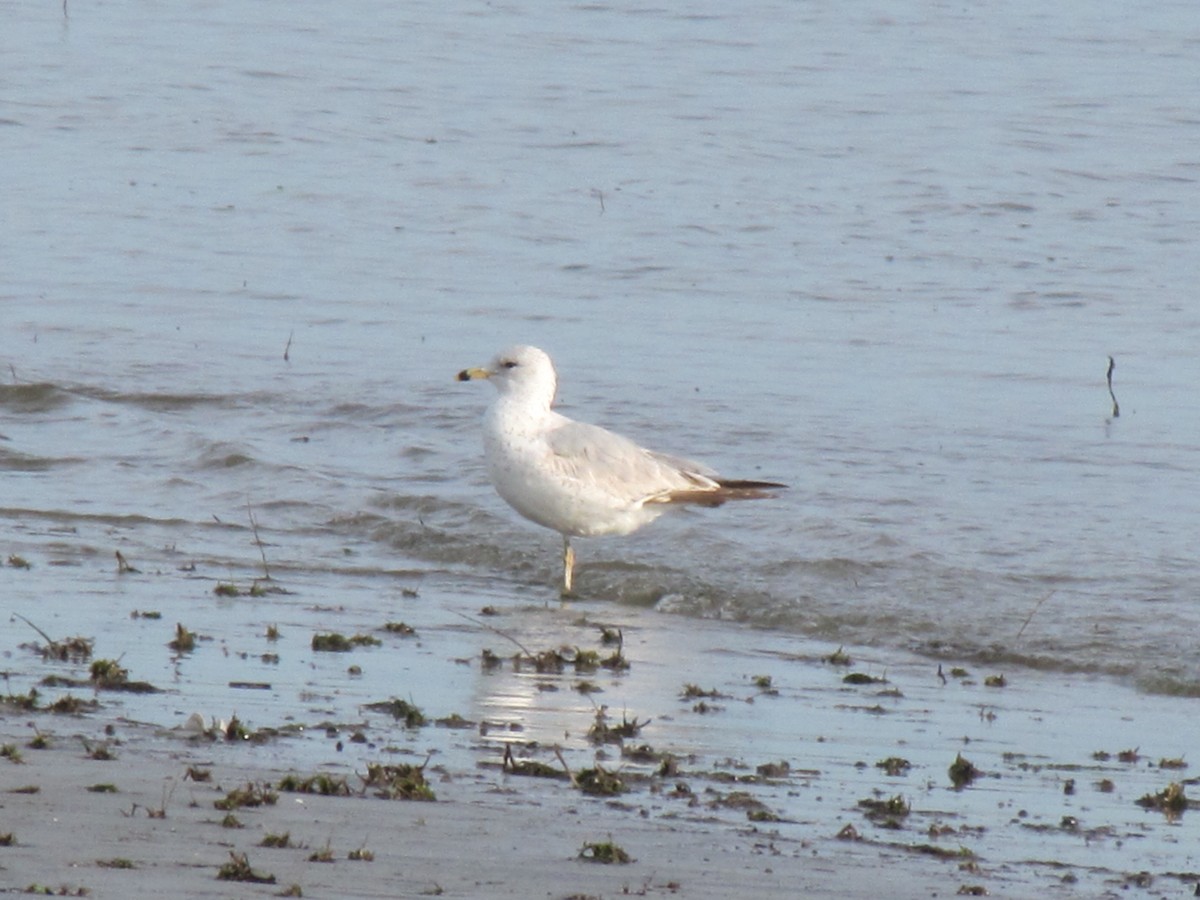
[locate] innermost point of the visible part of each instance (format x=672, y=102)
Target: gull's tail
x=724, y=490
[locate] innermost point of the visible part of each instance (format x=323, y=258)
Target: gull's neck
x=522, y=406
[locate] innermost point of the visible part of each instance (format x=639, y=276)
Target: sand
x=772, y=758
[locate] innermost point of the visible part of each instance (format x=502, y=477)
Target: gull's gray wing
x=606, y=460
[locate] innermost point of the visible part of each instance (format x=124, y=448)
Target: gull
x=579, y=479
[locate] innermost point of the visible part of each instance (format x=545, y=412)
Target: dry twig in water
x=1116, y=406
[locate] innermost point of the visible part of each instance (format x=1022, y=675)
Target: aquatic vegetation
x=894, y=765
x=885, y=813
x=401, y=628
x=398, y=782
x=400, y=710
x=252, y=795
x=599, y=782
x=108, y=673
x=68, y=704
x=532, y=767
x=323, y=855
x=104, y=675
x=941, y=852
x=781, y=769
x=1171, y=800
x=454, y=720
x=586, y=661
x=962, y=772
x=321, y=783
x=277, y=841
x=838, y=657
x=73, y=649
x=605, y=852
x=339, y=643
x=102, y=752
x=184, y=640
x=755, y=809
x=238, y=869
x=763, y=815
x=863, y=678
x=118, y=862
x=615, y=662
x=694, y=692
x=26, y=702
x=602, y=732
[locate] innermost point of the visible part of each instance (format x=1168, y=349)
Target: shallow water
x=881, y=255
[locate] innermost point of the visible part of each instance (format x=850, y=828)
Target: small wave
x=13, y=461
x=33, y=398
x=176, y=402
x=68, y=518
x=1169, y=686
x=223, y=458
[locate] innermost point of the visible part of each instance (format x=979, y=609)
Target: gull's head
x=521, y=370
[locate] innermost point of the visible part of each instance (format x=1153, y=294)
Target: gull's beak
x=473, y=374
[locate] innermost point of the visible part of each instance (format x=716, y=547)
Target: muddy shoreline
x=704, y=758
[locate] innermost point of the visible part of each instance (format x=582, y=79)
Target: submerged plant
x=250, y=795
x=323, y=784
x=1171, y=800
x=400, y=710
x=238, y=869
x=604, y=852
x=332, y=642
x=184, y=640
x=398, y=782
x=962, y=772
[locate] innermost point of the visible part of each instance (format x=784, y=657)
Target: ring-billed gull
x=578, y=479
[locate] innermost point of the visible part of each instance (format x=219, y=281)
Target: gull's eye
x=509, y=364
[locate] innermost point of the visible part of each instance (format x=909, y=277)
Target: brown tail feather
x=751, y=485
x=726, y=490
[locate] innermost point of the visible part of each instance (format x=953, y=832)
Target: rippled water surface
x=879, y=252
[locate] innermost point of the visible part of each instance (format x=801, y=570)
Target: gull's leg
x=568, y=565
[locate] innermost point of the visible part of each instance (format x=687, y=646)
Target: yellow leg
x=568, y=566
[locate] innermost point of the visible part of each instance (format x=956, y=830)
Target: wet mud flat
x=172, y=731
